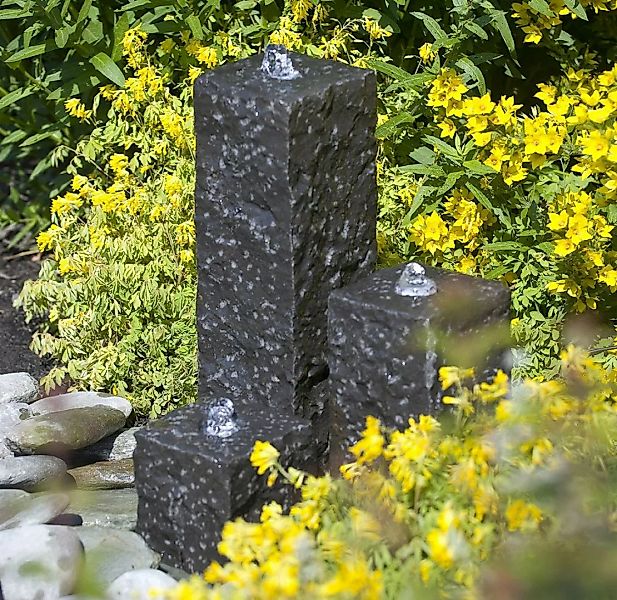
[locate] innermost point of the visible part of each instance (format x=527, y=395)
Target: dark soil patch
x=15, y=335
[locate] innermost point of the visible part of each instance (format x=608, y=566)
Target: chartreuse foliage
x=421, y=512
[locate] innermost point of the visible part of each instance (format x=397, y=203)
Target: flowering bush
x=422, y=511
x=529, y=197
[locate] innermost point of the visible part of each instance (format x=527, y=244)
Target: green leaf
x=501, y=24
x=62, y=36
x=14, y=13
x=433, y=26
x=478, y=168
x=505, y=246
x=30, y=52
x=195, y=27
x=542, y=7
x=14, y=96
x=444, y=147
x=120, y=28
x=451, y=179
x=84, y=10
x=423, y=192
x=474, y=72
x=14, y=136
x=430, y=170
x=577, y=9
x=475, y=28
x=497, y=272
x=392, y=125
x=398, y=74
x=108, y=68
x=423, y=155
x=37, y=137
x=480, y=196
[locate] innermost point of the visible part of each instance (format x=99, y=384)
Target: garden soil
x=15, y=335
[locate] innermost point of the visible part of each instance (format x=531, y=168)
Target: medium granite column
x=285, y=213
x=390, y=333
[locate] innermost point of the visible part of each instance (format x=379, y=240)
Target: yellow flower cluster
x=538, y=18
x=431, y=496
x=464, y=219
x=76, y=108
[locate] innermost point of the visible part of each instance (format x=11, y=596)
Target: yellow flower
x=46, y=239
x=427, y=53
x=208, y=56
x=264, y=456
x=505, y=112
x=478, y=106
x=371, y=444
x=78, y=182
x=513, y=171
x=558, y=221
x=316, y=488
x=375, y=31
x=547, y=93
x=446, y=89
x=300, y=9
x=499, y=154
x=439, y=546
x=448, y=128
x=77, y=109
x=594, y=145
x=194, y=73
x=564, y=247
x=521, y=515
x=449, y=376
x=578, y=229
x=431, y=233
x=608, y=276
x=481, y=139
x=118, y=162
x=66, y=203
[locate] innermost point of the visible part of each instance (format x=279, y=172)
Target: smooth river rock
x=31, y=473
x=114, y=447
x=112, y=552
x=106, y=508
x=18, y=510
x=18, y=387
x=80, y=400
x=141, y=585
x=58, y=433
x=39, y=562
x=11, y=414
x=105, y=475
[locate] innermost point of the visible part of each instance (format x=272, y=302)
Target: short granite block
x=190, y=483
x=285, y=212
x=386, y=349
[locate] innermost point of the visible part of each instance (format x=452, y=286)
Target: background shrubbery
x=497, y=157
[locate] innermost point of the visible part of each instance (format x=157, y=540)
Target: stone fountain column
x=285, y=213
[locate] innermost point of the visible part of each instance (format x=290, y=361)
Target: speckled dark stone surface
x=285, y=213
x=190, y=483
x=386, y=349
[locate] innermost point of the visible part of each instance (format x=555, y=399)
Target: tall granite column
x=285, y=213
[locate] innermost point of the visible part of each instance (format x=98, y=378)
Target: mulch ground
x=15, y=335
